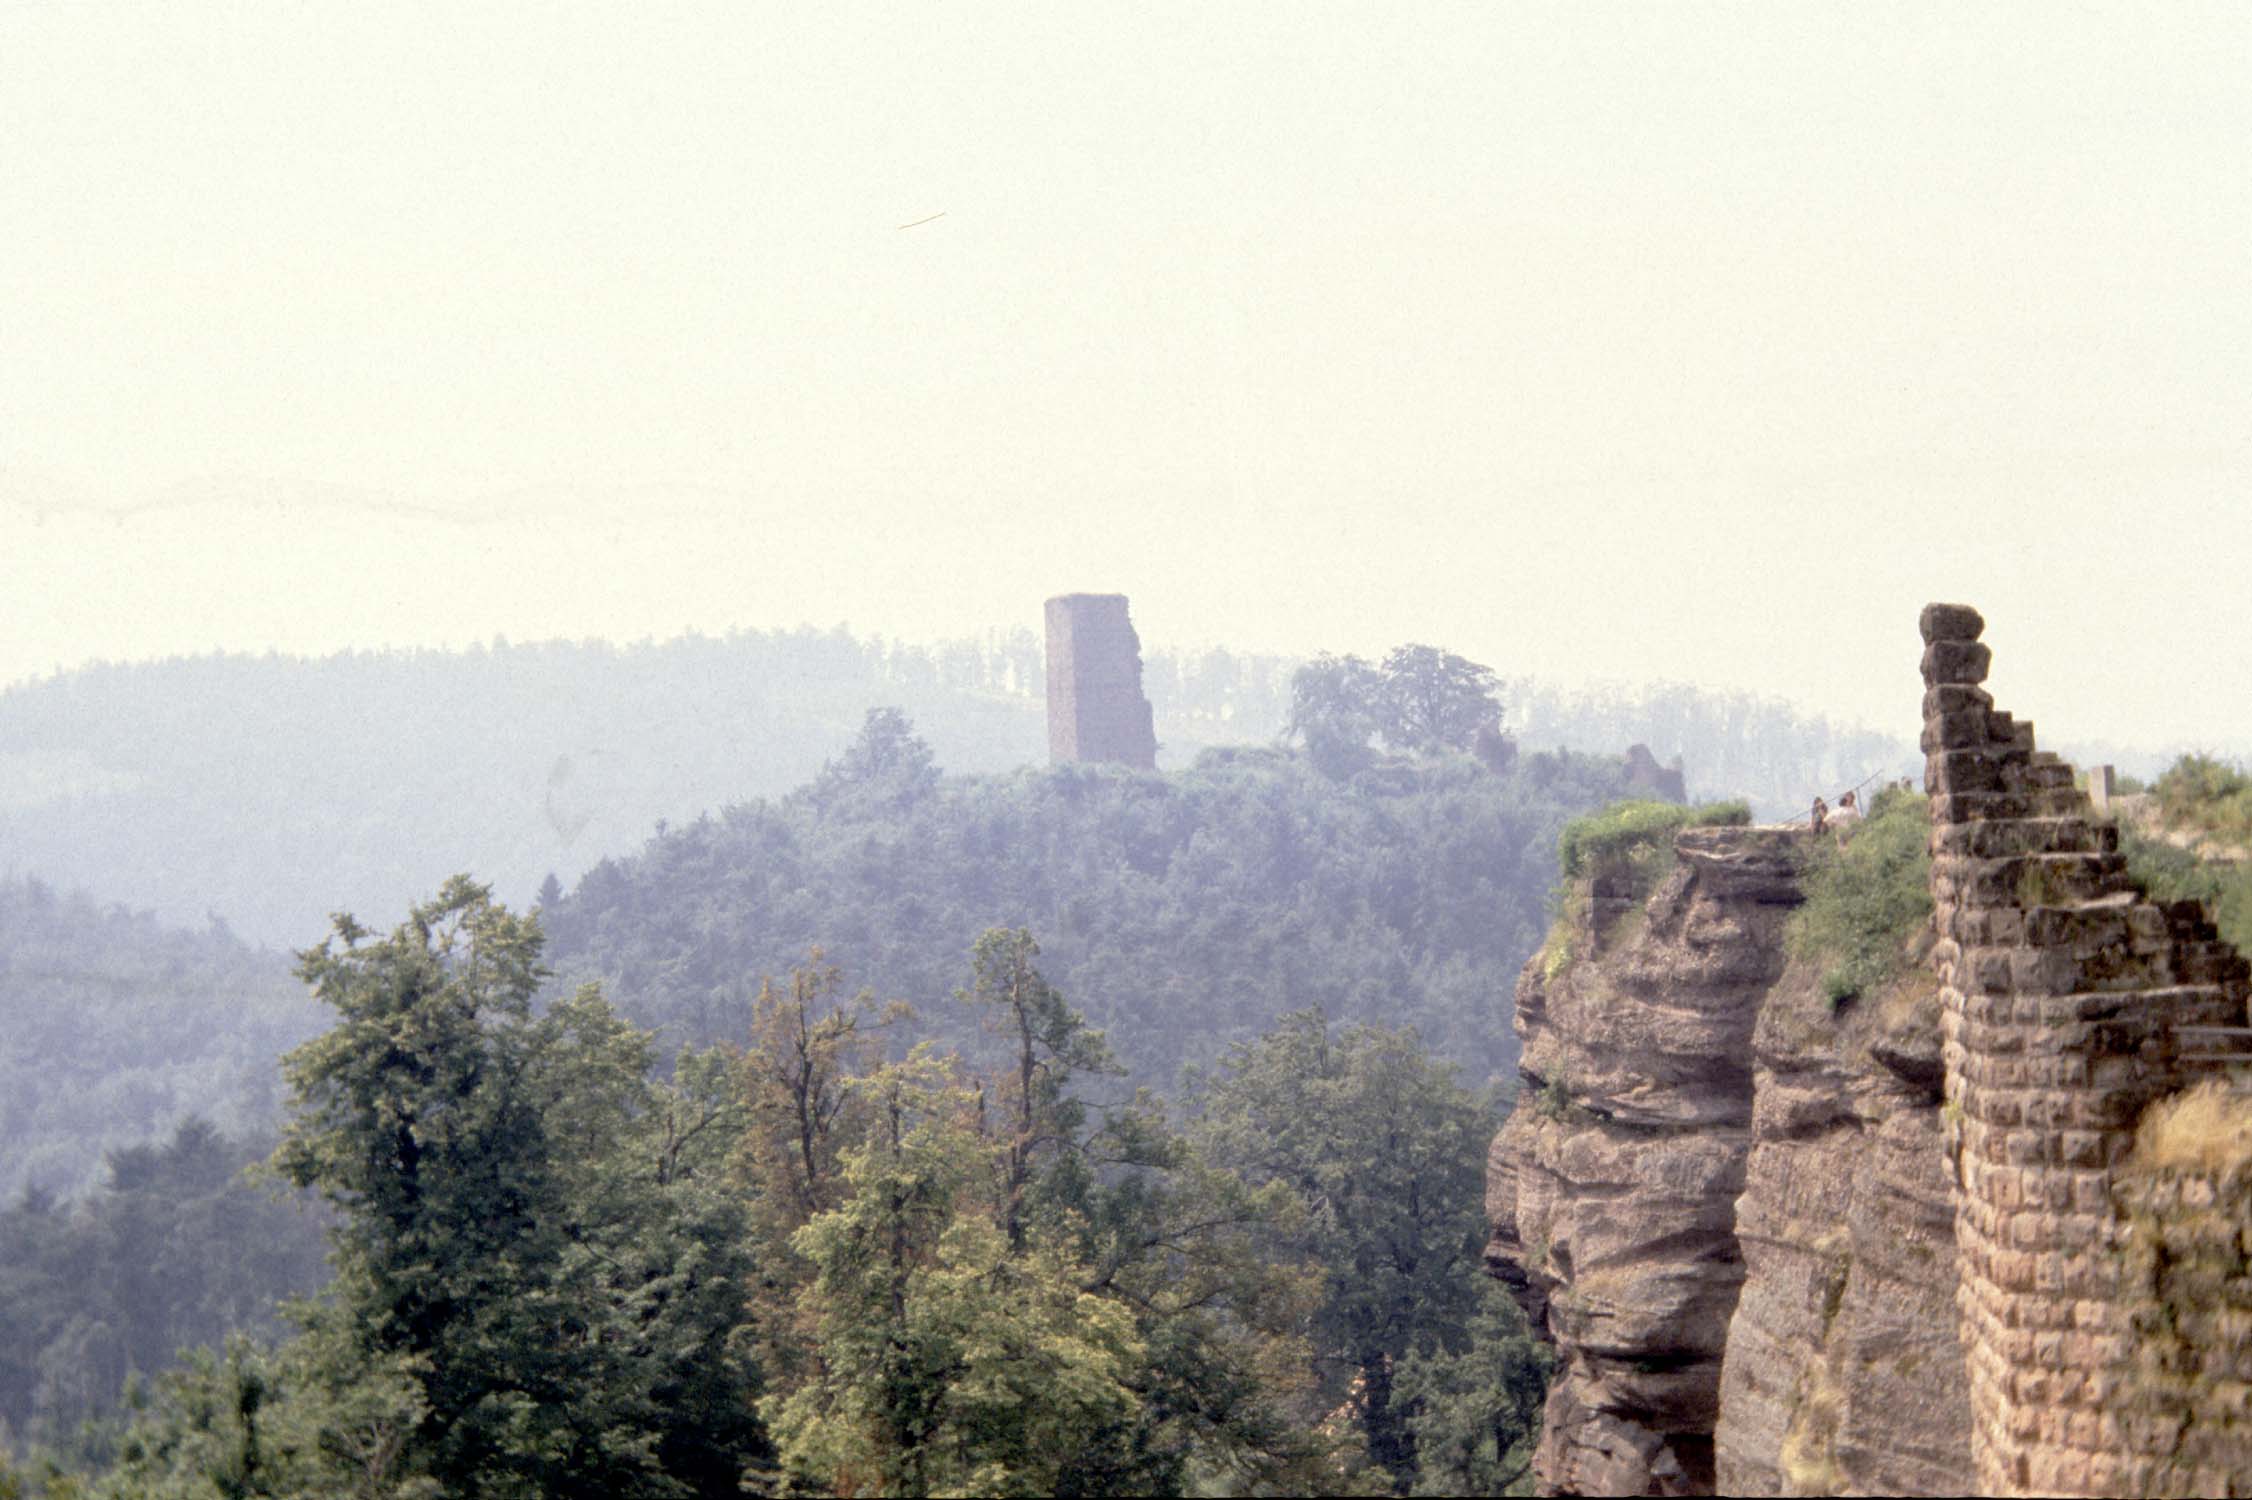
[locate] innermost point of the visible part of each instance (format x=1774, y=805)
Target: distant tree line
x=269, y=789
x=1419, y=699
x=173, y=1249
x=113, y=1028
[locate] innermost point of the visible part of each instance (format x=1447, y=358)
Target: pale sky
x=1688, y=342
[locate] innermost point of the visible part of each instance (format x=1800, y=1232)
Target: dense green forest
x=1185, y=1293
x=118, y=1027
x=272, y=789
x=834, y=1259
x=1186, y=909
x=1184, y=912
x=175, y=1249
x=778, y=1151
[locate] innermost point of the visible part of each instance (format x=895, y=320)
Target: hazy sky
x=1670, y=341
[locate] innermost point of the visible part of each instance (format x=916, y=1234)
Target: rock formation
x=1096, y=710
x=1613, y=1186
x=1843, y=1374
x=1988, y=1228
x=1726, y=1204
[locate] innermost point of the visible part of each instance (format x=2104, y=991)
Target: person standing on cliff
x=1847, y=814
x=1821, y=815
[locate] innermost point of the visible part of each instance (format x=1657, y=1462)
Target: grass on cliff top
x=2204, y=1129
x=2169, y=872
x=1630, y=838
x=1626, y=828
x=2204, y=797
x=1867, y=897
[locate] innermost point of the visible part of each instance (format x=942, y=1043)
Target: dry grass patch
x=2207, y=1128
x=1809, y=1456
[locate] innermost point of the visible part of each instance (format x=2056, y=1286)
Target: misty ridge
x=263, y=792
x=1309, y=893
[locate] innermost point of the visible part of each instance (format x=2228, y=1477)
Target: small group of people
x=1846, y=813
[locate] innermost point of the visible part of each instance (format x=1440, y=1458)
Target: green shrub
x=1867, y=896
x=1554, y=1099
x=1625, y=828
x=2207, y=795
x=2171, y=873
x=1556, y=950
x=2204, y=796
x=1629, y=845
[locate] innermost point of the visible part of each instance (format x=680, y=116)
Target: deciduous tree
x=1384, y=1149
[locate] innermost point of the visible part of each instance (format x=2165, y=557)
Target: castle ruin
x=1986, y=1227
x=2104, y=1293
x=1096, y=709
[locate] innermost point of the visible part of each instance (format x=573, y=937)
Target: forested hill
x=1179, y=911
x=113, y=1028
x=270, y=790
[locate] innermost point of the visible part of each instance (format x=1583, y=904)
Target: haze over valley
x=1417, y=748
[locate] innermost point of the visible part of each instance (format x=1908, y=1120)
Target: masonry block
x=1950, y=622
x=1096, y=709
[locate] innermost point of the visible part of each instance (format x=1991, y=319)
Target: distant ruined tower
x=1096, y=710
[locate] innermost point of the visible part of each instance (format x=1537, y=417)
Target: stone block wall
x=1645, y=777
x=2063, y=991
x=2188, y=1289
x=1096, y=709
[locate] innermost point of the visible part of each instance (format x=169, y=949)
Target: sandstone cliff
x=1725, y=1201
x=1613, y=1185
x=1843, y=1373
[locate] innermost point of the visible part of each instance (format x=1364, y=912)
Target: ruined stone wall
x=2188, y=1303
x=2064, y=995
x=1968, y=1233
x=1096, y=710
x=1645, y=777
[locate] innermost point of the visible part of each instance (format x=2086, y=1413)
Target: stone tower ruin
x=1096, y=710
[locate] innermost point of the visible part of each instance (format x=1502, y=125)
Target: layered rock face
x=1843, y=1372
x=1612, y=1188
x=1726, y=1204
x=1096, y=710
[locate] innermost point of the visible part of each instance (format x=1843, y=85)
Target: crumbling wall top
x=2070, y=1001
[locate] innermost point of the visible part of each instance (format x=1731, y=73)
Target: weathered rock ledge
x=1612, y=1188
x=1771, y=1259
